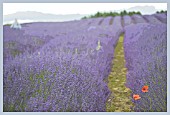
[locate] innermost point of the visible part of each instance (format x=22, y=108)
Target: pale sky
x=73, y=8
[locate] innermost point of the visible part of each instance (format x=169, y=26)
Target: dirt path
x=120, y=100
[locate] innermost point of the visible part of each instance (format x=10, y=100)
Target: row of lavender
x=65, y=74
x=62, y=61
x=146, y=59
x=28, y=39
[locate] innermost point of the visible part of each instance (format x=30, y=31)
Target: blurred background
x=59, y=12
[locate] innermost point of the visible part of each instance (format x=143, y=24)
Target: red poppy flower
x=136, y=97
x=145, y=89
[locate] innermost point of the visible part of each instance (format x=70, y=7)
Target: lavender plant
x=63, y=66
x=146, y=60
x=65, y=74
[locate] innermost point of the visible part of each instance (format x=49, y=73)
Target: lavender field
x=101, y=64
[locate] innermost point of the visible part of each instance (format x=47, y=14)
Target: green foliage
x=10, y=44
x=11, y=108
x=113, y=14
x=31, y=77
x=7, y=25
x=15, y=52
x=162, y=11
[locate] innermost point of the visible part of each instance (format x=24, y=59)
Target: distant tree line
x=162, y=11
x=7, y=24
x=105, y=14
